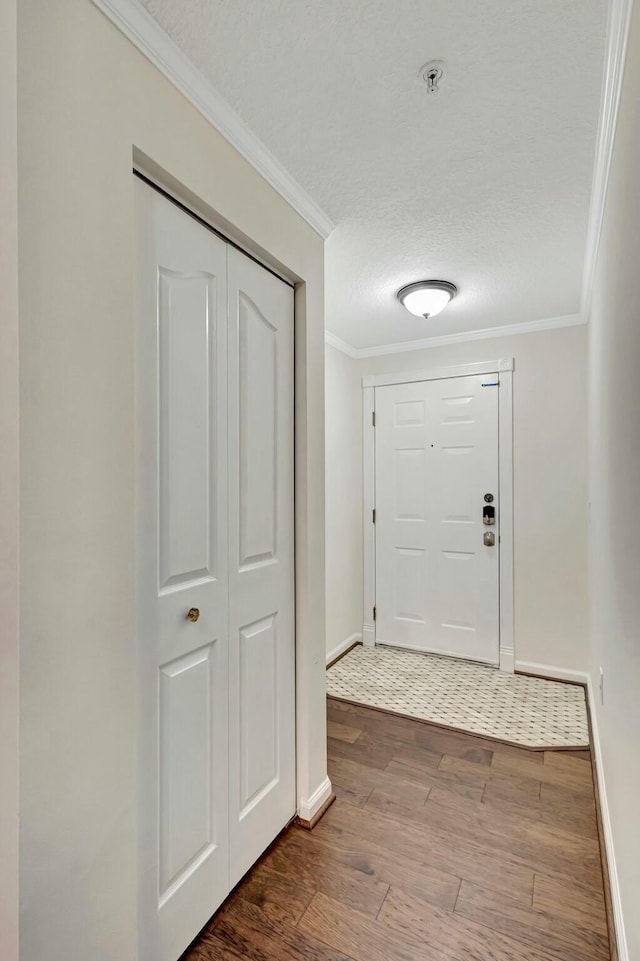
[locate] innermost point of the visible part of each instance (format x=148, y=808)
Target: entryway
x=215, y=568
x=438, y=563
x=467, y=696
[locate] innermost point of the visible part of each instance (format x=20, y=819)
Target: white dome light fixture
x=427, y=298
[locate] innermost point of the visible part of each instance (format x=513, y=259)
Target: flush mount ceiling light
x=427, y=298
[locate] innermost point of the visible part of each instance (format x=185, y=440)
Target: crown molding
x=615, y=55
x=340, y=344
x=528, y=327
x=151, y=40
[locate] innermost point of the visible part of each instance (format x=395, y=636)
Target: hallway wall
x=549, y=485
x=343, y=498
x=87, y=99
x=614, y=493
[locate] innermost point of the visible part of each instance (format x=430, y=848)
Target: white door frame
x=503, y=370
x=9, y=487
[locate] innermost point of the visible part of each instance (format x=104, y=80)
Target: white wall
x=87, y=97
x=549, y=486
x=343, y=504
x=8, y=485
x=614, y=494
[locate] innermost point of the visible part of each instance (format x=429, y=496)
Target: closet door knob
x=193, y=614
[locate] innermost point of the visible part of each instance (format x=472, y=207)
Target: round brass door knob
x=193, y=614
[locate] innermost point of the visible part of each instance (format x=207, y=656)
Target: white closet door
x=182, y=565
x=436, y=458
x=261, y=587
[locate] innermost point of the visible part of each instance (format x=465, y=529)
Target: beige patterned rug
x=460, y=694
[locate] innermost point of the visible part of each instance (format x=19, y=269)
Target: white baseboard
x=343, y=646
x=581, y=677
x=552, y=672
x=309, y=807
x=616, y=901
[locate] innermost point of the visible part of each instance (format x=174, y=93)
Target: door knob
x=193, y=614
x=489, y=539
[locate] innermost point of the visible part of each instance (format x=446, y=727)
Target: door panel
x=258, y=441
x=187, y=821
x=182, y=564
x=436, y=457
x=257, y=710
x=187, y=401
x=410, y=485
x=261, y=621
x=410, y=578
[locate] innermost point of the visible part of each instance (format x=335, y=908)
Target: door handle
x=193, y=614
x=489, y=539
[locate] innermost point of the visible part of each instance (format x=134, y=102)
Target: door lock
x=488, y=514
x=489, y=539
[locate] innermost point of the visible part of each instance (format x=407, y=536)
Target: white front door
x=436, y=459
x=214, y=569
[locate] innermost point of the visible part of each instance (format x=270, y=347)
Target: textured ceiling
x=486, y=184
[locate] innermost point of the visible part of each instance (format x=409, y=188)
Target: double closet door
x=215, y=568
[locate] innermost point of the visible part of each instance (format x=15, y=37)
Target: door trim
x=502, y=369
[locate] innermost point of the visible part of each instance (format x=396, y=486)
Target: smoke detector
x=432, y=73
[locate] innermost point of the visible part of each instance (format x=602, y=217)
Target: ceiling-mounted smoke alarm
x=427, y=298
x=433, y=73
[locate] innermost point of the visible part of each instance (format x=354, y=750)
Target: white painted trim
x=138, y=26
x=309, y=807
x=368, y=527
x=343, y=646
x=614, y=883
x=552, y=672
x=369, y=634
x=340, y=345
x=507, y=660
x=9, y=487
x=617, y=37
x=505, y=507
x=439, y=373
x=503, y=368
x=463, y=337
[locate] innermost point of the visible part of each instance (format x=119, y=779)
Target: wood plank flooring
x=440, y=847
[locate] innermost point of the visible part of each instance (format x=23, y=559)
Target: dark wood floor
x=440, y=846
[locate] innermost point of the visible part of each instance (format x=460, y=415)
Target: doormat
x=474, y=698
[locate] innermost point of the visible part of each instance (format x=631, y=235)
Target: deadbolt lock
x=488, y=514
x=193, y=614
